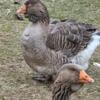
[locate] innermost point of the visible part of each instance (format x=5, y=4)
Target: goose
x=60, y=39
x=72, y=42
x=70, y=78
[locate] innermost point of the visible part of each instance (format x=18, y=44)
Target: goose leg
x=42, y=77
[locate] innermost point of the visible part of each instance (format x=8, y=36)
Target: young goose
x=76, y=40
x=70, y=79
x=39, y=56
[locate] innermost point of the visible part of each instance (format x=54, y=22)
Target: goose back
x=70, y=37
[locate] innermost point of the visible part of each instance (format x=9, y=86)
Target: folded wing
x=70, y=37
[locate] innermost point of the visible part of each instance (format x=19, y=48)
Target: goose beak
x=85, y=78
x=22, y=10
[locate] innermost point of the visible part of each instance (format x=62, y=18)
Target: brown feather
x=70, y=37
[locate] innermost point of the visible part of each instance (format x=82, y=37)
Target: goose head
x=27, y=4
x=70, y=79
x=36, y=11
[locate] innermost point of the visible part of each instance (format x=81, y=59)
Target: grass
x=15, y=75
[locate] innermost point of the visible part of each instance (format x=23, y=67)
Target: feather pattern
x=70, y=37
x=61, y=90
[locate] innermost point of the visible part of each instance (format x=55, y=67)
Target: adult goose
x=76, y=40
x=70, y=78
x=46, y=51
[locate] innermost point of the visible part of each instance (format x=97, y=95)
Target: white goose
x=68, y=41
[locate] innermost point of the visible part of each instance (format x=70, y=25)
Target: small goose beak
x=85, y=78
x=21, y=10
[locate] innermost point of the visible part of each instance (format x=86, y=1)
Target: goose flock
x=58, y=51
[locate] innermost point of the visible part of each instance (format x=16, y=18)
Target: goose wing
x=70, y=36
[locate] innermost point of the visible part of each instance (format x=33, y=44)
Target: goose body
x=45, y=51
x=77, y=41
x=36, y=54
x=78, y=53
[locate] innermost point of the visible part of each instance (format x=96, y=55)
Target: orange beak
x=22, y=10
x=85, y=78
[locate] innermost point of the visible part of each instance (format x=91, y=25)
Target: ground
x=15, y=75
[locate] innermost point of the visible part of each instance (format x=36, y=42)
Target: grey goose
x=45, y=50
x=69, y=80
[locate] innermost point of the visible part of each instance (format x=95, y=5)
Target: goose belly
x=36, y=64
x=31, y=54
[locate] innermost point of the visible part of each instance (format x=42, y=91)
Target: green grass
x=15, y=75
